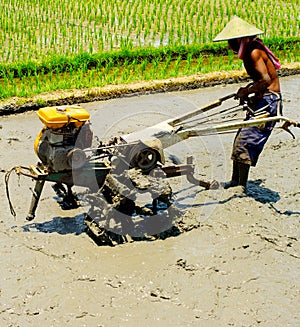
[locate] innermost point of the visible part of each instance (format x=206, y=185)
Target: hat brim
x=237, y=28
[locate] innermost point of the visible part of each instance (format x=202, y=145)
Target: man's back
x=260, y=67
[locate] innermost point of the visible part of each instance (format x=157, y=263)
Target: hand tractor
x=118, y=173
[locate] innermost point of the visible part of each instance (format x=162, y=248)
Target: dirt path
x=240, y=267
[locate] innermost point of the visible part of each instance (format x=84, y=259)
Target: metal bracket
x=188, y=169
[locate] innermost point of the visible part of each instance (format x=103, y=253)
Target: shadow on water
x=61, y=225
x=265, y=195
x=254, y=190
x=261, y=194
x=285, y=212
x=186, y=194
x=76, y=225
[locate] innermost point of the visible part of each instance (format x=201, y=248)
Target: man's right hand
x=242, y=94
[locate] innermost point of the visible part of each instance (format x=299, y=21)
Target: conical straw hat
x=236, y=28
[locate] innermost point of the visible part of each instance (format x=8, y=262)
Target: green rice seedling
x=155, y=65
x=143, y=65
x=199, y=63
x=188, y=62
x=177, y=65
x=37, y=31
x=166, y=66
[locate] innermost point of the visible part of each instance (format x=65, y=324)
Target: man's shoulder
x=255, y=45
x=255, y=51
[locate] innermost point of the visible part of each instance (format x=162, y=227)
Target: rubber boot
x=235, y=176
x=243, y=175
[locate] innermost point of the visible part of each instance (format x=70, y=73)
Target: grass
x=53, y=44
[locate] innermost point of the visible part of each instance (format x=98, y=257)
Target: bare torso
x=260, y=68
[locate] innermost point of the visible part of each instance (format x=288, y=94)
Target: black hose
x=6, y=178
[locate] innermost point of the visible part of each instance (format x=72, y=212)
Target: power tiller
x=67, y=158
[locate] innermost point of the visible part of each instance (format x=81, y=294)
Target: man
x=262, y=96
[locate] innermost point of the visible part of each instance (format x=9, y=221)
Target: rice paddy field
x=58, y=44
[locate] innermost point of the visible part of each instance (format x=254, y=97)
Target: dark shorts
x=250, y=141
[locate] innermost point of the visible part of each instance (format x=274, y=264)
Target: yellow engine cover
x=37, y=141
x=57, y=117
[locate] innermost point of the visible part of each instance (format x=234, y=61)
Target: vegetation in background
x=50, y=44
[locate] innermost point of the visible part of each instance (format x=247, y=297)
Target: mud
x=238, y=266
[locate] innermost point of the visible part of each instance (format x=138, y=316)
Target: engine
x=66, y=133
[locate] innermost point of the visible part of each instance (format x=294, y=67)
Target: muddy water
x=240, y=267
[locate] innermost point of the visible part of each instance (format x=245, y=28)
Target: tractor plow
x=127, y=179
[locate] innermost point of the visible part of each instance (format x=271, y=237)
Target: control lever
x=286, y=126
